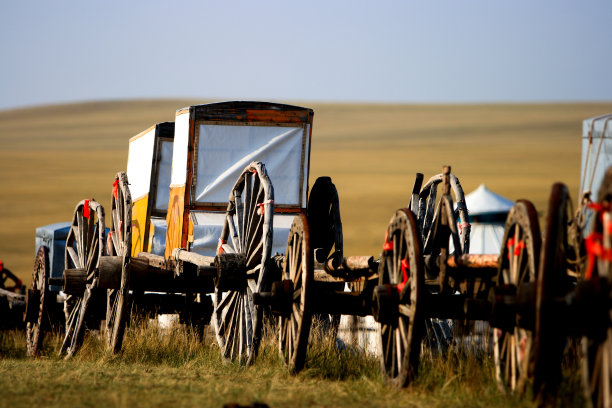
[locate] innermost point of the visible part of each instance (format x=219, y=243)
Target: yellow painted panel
x=174, y=219
x=139, y=224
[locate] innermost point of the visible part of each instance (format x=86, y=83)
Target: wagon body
x=596, y=153
x=53, y=236
x=212, y=145
x=148, y=170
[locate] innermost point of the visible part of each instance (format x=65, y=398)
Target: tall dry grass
x=159, y=367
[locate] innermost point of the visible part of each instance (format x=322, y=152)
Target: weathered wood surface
x=180, y=254
x=14, y=299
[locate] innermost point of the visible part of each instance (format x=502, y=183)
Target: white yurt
x=488, y=212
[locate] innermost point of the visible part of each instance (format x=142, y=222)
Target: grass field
x=54, y=156
x=163, y=369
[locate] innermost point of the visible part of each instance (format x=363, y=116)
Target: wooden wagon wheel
x=36, y=308
x=426, y=215
x=597, y=348
x=119, y=244
x=518, y=262
x=324, y=220
x=250, y=213
x=294, y=328
x=8, y=280
x=326, y=239
x=84, y=248
x=552, y=282
x=401, y=270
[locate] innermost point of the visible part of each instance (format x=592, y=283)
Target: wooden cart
x=574, y=291
x=204, y=225
x=416, y=278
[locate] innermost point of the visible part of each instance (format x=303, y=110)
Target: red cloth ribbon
x=260, y=207
x=462, y=225
x=518, y=247
x=388, y=245
x=220, y=246
x=115, y=188
x=86, y=209
x=595, y=249
x=405, y=267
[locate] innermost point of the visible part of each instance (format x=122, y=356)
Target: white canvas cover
x=208, y=226
x=179, y=151
x=223, y=151
x=140, y=156
x=163, y=175
x=596, y=153
x=158, y=241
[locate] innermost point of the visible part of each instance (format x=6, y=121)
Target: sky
x=433, y=51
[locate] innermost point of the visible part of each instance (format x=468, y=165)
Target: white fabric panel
x=158, y=245
x=208, y=226
x=179, y=153
x=282, y=225
x=224, y=151
x=591, y=170
x=140, y=158
x=206, y=232
x=163, y=176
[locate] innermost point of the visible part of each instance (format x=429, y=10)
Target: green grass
x=159, y=368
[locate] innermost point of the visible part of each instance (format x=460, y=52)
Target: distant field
x=51, y=157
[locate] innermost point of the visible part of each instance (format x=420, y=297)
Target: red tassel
x=115, y=188
x=86, y=209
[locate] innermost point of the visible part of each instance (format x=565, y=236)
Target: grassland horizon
x=54, y=156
